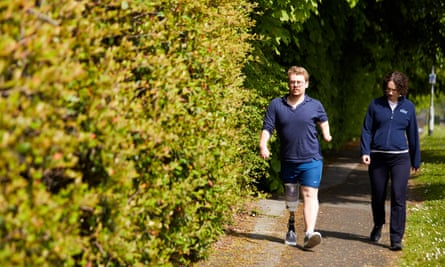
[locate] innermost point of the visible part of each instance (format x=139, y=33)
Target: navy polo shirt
x=296, y=128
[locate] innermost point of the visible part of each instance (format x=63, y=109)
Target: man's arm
x=324, y=126
x=264, y=151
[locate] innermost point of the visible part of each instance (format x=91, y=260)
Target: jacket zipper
x=390, y=125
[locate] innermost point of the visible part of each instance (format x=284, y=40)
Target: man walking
x=296, y=116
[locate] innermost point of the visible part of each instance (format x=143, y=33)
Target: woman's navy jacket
x=387, y=130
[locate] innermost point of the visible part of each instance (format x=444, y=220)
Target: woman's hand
x=366, y=159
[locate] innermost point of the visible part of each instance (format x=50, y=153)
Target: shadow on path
x=344, y=221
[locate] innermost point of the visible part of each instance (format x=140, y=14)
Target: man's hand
x=264, y=152
x=327, y=138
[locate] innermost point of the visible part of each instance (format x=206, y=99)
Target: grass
x=425, y=227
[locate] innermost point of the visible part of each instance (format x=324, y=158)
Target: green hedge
x=121, y=130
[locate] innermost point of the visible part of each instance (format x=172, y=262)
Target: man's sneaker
x=312, y=239
x=291, y=238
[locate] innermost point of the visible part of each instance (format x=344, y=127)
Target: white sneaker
x=312, y=240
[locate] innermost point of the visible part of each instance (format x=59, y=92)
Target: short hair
x=298, y=71
x=399, y=79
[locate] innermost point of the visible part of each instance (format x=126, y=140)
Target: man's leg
x=311, y=206
x=310, y=182
x=291, y=195
x=310, y=212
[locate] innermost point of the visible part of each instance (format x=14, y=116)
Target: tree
x=347, y=47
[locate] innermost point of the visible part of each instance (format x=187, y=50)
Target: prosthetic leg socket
x=291, y=195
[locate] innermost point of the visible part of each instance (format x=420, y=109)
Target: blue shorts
x=306, y=174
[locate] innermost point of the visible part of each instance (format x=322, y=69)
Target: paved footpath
x=344, y=221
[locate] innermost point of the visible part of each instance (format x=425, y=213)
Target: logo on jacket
x=404, y=111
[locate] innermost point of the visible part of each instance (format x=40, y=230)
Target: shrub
x=120, y=129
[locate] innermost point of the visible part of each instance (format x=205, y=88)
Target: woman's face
x=391, y=91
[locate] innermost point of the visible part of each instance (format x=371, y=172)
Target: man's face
x=297, y=84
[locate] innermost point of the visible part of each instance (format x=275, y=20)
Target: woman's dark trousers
x=394, y=167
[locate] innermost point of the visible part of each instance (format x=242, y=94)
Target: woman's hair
x=298, y=71
x=399, y=79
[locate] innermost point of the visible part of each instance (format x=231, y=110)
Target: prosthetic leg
x=291, y=195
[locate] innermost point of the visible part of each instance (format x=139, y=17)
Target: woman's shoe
x=395, y=246
x=376, y=233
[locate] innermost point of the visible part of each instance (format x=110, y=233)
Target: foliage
x=126, y=134
x=266, y=77
x=425, y=244
x=347, y=47
x=120, y=133
x=396, y=24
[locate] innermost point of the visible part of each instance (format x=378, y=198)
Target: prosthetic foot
x=291, y=236
x=291, y=194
